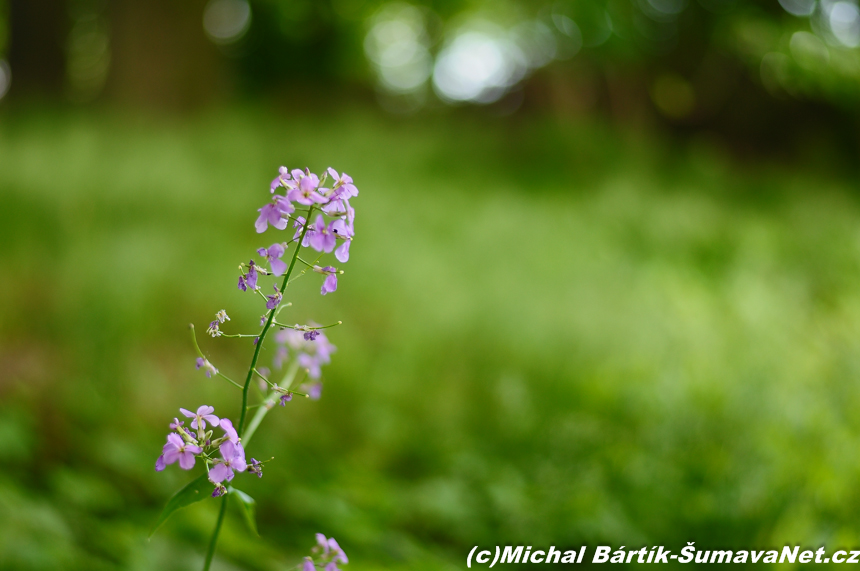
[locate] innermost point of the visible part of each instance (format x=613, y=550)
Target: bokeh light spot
x=226, y=21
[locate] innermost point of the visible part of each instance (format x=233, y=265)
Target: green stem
x=270, y=402
x=210, y=553
x=250, y=376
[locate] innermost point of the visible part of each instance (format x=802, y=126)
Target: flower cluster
x=318, y=209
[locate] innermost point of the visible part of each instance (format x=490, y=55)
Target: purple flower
x=229, y=431
x=177, y=449
x=344, y=184
x=331, y=548
x=203, y=414
x=308, y=565
x=345, y=232
x=219, y=491
x=311, y=363
x=273, y=255
x=274, y=300
x=207, y=367
x=305, y=190
x=233, y=458
x=285, y=398
x=214, y=329
x=330, y=283
x=249, y=280
x=274, y=213
x=322, y=239
x=176, y=423
x=311, y=335
x=256, y=467
x=281, y=179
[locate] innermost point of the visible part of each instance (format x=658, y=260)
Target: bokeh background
x=604, y=287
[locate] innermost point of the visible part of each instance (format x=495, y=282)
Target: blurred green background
x=604, y=289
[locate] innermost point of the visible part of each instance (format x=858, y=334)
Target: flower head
x=343, y=184
x=305, y=186
x=321, y=239
x=219, y=491
x=274, y=300
x=330, y=283
x=176, y=423
x=274, y=213
x=177, y=449
x=311, y=335
x=203, y=414
x=285, y=398
x=233, y=458
x=273, y=255
x=256, y=467
x=249, y=280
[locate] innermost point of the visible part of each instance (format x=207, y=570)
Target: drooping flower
x=208, y=368
x=285, y=398
x=203, y=414
x=222, y=316
x=322, y=239
x=330, y=283
x=249, y=280
x=345, y=232
x=229, y=431
x=256, y=467
x=343, y=184
x=311, y=335
x=273, y=255
x=219, y=491
x=274, y=213
x=214, y=329
x=233, y=458
x=281, y=179
x=177, y=449
x=274, y=300
x=305, y=188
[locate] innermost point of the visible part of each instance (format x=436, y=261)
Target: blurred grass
x=553, y=334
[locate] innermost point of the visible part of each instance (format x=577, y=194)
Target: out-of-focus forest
x=603, y=288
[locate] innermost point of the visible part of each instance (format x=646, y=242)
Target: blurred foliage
x=553, y=334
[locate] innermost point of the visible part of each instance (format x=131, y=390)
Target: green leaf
x=248, y=506
x=198, y=489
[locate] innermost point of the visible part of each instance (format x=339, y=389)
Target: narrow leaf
x=248, y=506
x=198, y=489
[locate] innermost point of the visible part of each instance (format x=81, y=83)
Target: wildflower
x=256, y=467
x=313, y=390
x=273, y=255
x=308, y=565
x=176, y=423
x=219, y=491
x=343, y=184
x=249, y=280
x=281, y=179
x=311, y=363
x=233, y=458
x=322, y=239
x=345, y=232
x=274, y=301
x=330, y=283
x=285, y=398
x=330, y=548
x=207, y=367
x=229, y=431
x=203, y=414
x=177, y=449
x=304, y=189
x=214, y=329
x=311, y=335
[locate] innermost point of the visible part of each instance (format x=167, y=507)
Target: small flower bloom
x=311, y=335
x=343, y=184
x=345, y=232
x=256, y=467
x=322, y=239
x=207, y=367
x=274, y=300
x=339, y=555
x=177, y=449
x=214, y=329
x=176, y=423
x=314, y=389
x=274, y=213
x=305, y=191
x=219, y=491
x=273, y=255
x=281, y=179
x=285, y=398
x=249, y=280
x=308, y=565
x=203, y=414
x=330, y=283
x=233, y=459
x=229, y=431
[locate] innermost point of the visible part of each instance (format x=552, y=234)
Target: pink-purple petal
x=219, y=473
x=186, y=460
